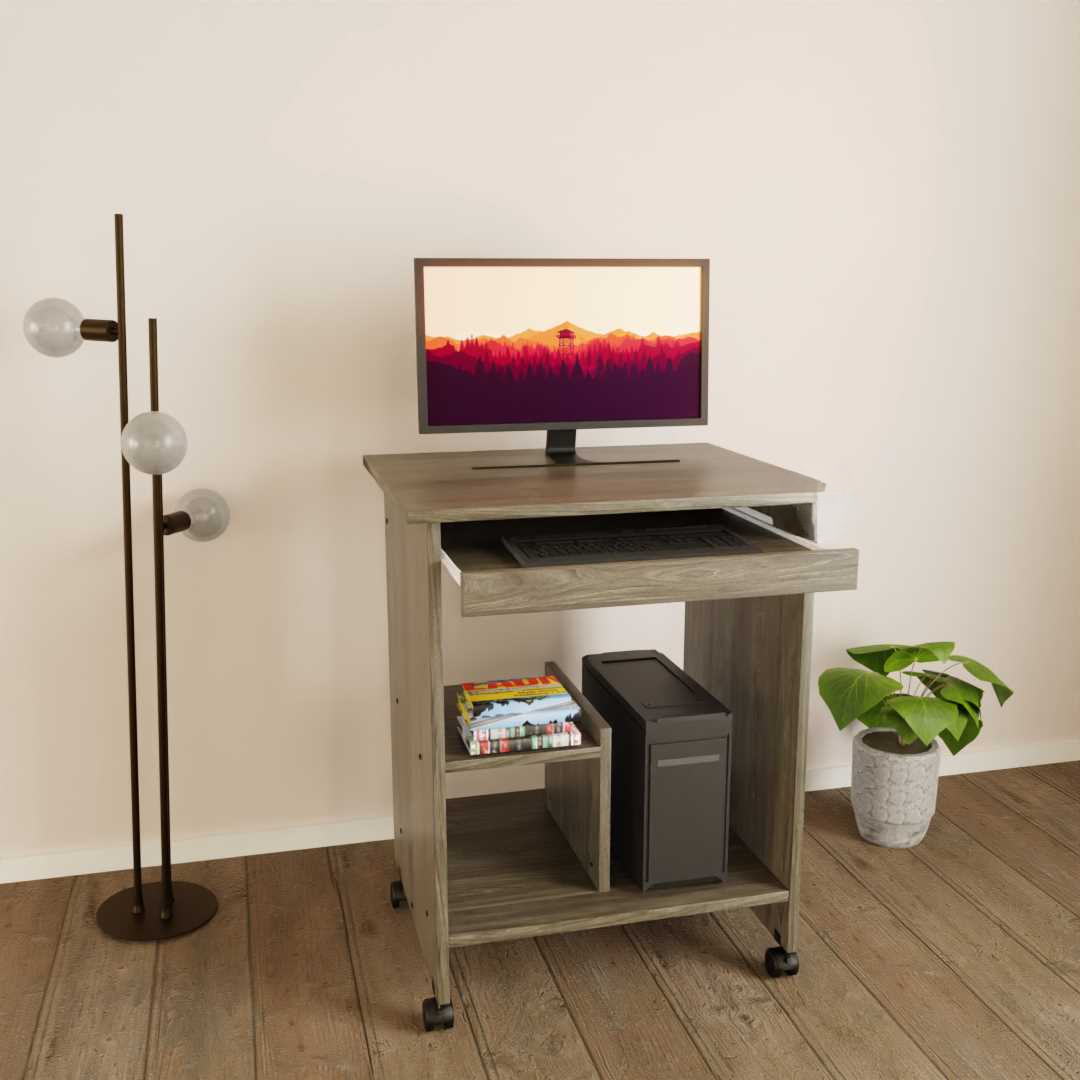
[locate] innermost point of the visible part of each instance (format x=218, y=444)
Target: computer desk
x=498, y=867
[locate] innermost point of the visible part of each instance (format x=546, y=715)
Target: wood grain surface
x=726, y=1009
x=510, y=589
x=1021, y=989
x=96, y=1013
x=417, y=729
x=953, y=960
x=513, y=875
x=391, y=979
x=965, y=1038
x=31, y=921
x=448, y=486
x=579, y=792
x=203, y=1015
x=753, y=655
x=832, y=1009
x=632, y=1027
x=523, y=1024
x=307, y=1012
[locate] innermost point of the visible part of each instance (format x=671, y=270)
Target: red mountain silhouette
x=538, y=351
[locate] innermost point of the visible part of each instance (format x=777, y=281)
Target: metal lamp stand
x=166, y=908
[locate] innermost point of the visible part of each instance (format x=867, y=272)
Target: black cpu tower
x=670, y=769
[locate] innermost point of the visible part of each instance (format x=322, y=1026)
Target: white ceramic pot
x=894, y=792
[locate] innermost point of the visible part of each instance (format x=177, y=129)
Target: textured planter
x=894, y=792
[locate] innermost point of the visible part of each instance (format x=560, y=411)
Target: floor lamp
x=152, y=442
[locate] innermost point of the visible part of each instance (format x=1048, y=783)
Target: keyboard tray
x=492, y=582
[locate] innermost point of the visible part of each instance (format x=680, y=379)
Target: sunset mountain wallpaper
x=566, y=371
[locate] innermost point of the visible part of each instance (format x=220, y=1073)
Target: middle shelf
x=592, y=729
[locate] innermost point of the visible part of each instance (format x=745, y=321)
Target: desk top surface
x=449, y=486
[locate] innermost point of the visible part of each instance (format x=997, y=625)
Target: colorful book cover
x=508, y=702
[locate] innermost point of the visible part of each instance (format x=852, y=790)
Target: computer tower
x=670, y=769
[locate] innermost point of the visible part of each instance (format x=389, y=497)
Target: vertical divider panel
x=754, y=655
x=579, y=793
x=416, y=718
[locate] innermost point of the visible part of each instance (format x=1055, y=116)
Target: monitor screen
x=561, y=343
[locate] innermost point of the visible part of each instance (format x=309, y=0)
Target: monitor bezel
x=556, y=425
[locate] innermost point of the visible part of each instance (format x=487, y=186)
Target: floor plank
x=955, y=1028
x=97, y=1007
x=307, y=1014
x=1045, y=926
x=524, y=1027
x=1017, y=841
x=832, y=1009
x=1041, y=803
x=391, y=977
x=1020, y=988
x=31, y=920
x=1065, y=776
x=738, y=1027
x=202, y=1028
x=624, y=1018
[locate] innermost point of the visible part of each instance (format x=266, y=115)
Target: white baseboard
x=197, y=849
x=361, y=830
x=967, y=761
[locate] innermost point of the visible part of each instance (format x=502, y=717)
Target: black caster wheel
x=397, y=894
x=437, y=1016
x=778, y=961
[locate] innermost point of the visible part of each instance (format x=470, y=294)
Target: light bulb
x=209, y=513
x=153, y=442
x=52, y=327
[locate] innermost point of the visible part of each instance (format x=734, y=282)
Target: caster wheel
x=397, y=894
x=437, y=1016
x=778, y=961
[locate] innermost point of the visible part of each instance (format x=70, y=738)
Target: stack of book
x=511, y=715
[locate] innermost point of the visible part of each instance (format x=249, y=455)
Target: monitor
x=561, y=344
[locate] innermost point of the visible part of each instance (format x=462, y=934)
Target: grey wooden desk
x=498, y=867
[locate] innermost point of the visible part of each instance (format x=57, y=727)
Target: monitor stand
x=561, y=450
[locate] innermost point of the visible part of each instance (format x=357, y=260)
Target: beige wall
x=890, y=196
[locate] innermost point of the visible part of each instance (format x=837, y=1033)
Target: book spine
x=517, y=740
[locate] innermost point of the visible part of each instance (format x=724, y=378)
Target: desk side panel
x=416, y=718
x=753, y=654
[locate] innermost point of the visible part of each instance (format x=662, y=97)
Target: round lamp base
x=193, y=906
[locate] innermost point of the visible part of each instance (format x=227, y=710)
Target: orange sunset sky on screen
x=470, y=301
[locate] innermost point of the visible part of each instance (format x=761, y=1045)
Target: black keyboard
x=672, y=542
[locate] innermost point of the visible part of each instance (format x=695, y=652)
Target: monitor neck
x=561, y=445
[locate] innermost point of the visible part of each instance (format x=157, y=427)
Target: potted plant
x=906, y=707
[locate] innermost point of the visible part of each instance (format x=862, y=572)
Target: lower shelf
x=512, y=875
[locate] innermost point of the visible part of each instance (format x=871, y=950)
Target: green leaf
x=886, y=658
x=981, y=671
x=926, y=716
x=875, y=657
x=955, y=744
x=929, y=651
x=849, y=693
x=882, y=716
x=950, y=688
x=900, y=659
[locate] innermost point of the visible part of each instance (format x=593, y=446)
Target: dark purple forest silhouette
x=499, y=381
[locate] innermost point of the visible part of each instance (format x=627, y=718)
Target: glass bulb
x=209, y=513
x=52, y=327
x=153, y=442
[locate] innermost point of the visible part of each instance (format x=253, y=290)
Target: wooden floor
x=960, y=958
